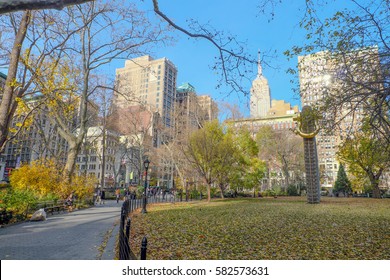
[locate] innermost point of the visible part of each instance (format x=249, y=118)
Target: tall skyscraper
x=193, y=110
x=323, y=75
x=148, y=81
x=187, y=116
x=260, y=100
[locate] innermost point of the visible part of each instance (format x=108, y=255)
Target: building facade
x=39, y=140
x=323, y=75
x=188, y=115
x=90, y=159
x=140, y=129
x=193, y=110
x=279, y=117
x=148, y=81
x=209, y=107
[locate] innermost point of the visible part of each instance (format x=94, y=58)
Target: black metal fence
x=128, y=206
x=125, y=252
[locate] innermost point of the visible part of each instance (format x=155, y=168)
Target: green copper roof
x=2, y=75
x=186, y=87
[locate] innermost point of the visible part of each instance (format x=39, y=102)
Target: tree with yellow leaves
x=42, y=179
x=366, y=152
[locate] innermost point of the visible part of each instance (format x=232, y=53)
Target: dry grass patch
x=282, y=229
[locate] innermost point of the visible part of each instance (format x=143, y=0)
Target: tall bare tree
x=91, y=36
x=283, y=151
x=231, y=60
x=136, y=124
x=12, y=89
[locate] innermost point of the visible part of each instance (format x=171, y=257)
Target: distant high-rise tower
x=209, y=107
x=260, y=101
x=325, y=74
x=148, y=81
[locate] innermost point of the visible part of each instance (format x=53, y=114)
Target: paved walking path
x=87, y=234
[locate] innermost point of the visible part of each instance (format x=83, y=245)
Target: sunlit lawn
x=266, y=228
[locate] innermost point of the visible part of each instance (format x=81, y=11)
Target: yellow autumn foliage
x=43, y=179
x=39, y=178
x=83, y=186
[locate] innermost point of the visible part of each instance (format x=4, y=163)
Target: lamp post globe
x=146, y=165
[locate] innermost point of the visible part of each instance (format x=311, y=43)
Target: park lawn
x=267, y=228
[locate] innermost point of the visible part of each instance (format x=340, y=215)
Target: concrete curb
x=109, y=250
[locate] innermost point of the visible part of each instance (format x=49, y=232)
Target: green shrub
x=140, y=191
x=215, y=192
x=292, y=190
x=269, y=192
x=17, y=201
x=245, y=194
x=194, y=193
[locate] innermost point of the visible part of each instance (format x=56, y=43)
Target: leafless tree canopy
x=232, y=62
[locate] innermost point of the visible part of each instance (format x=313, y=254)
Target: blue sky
x=271, y=35
x=194, y=57
x=243, y=19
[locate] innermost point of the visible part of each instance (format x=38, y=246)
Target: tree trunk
x=374, y=179
x=208, y=192
x=70, y=164
x=221, y=187
x=8, y=104
x=285, y=172
x=376, y=193
x=103, y=161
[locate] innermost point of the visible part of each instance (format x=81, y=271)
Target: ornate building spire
x=260, y=94
x=259, y=68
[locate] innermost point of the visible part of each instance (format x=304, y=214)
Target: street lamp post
x=146, y=165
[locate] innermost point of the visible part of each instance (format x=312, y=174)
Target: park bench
x=51, y=206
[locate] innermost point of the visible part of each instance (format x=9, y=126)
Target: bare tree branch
x=18, y=5
x=232, y=60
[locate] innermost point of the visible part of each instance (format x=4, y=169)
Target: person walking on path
x=103, y=196
x=69, y=201
x=98, y=197
x=117, y=194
